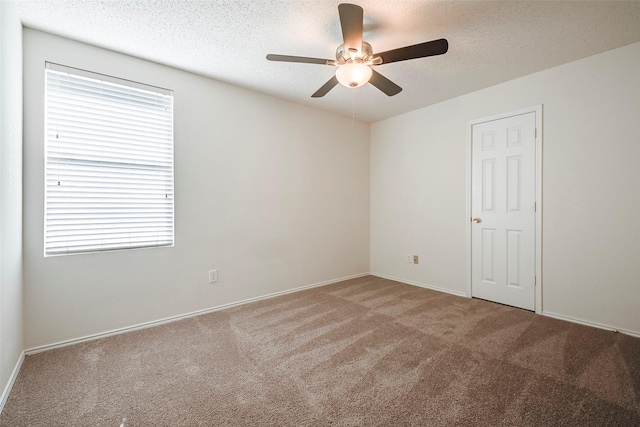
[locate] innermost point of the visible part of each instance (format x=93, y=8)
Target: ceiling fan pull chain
x=353, y=110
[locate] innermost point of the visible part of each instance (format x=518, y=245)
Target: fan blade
x=303, y=59
x=420, y=50
x=326, y=88
x=384, y=84
x=351, y=17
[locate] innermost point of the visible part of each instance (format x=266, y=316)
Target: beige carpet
x=365, y=352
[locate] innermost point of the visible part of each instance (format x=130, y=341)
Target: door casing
x=538, y=196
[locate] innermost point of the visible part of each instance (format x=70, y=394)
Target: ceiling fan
x=355, y=58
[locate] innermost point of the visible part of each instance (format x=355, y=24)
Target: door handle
x=476, y=220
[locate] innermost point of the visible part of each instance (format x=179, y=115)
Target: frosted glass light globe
x=353, y=74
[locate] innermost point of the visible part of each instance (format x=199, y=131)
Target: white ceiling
x=489, y=41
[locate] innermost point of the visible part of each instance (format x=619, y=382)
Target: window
x=108, y=163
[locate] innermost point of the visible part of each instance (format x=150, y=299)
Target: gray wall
x=591, y=187
x=272, y=194
x=11, y=329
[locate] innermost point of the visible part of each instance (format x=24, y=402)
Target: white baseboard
x=12, y=380
x=422, y=285
x=92, y=337
x=543, y=313
x=589, y=323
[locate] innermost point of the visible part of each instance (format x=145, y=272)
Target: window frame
x=167, y=171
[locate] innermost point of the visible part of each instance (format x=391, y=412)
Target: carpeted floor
x=365, y=352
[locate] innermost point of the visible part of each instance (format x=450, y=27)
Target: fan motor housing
x=344, y=56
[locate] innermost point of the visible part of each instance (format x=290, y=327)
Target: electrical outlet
x=415, y=259
x=409, y=258
x=213, y=276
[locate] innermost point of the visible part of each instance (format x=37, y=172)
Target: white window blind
x=109, y=163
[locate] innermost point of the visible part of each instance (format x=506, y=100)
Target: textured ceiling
x=489, y=41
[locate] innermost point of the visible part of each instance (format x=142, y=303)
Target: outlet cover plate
x=213, y=276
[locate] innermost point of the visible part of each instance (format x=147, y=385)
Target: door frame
x=537, y=109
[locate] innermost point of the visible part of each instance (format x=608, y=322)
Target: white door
x=503, y=193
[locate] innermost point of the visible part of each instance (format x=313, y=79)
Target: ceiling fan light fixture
x=353, y=74
x=355, y=58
